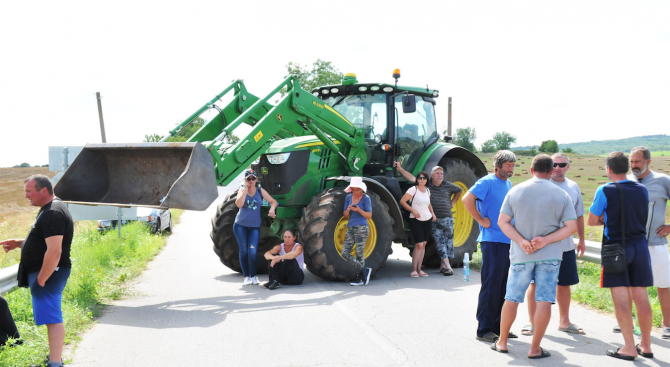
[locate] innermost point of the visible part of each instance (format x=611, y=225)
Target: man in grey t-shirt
x=658, y=186
x=567, y=274
x=538, y=208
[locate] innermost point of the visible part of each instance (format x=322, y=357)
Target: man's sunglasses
x=562, y=165
x=422, y=178
x=251, y=178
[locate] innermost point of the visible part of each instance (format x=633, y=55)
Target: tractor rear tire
x=459, y=173
x=225, y=242
x=319, y=228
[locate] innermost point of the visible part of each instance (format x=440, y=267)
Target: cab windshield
x=364, y=111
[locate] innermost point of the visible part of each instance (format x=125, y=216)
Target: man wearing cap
x=658, y=185
x=442, y=201
x=358, y=208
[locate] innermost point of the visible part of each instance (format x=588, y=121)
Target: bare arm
x=270, y=254
x=454, y=200
x=271, y=200
x=9, y=245
x=581, y=246
x=595, y=220
x=51, y=258
x=430, y=207
x=470, y=205
x=241, y=196
x=408, y=176
x=569, y=228
x=403, y=202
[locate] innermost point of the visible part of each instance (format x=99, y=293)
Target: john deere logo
x=264, y=170
x=279, y=117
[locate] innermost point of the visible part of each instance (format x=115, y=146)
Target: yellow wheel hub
x=341, y=230
x=462, y=219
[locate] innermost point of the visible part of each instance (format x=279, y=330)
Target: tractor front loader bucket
x=165, y=175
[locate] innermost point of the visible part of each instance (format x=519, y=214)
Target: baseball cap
x=435, y=169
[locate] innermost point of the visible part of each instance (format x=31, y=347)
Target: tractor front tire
x=225, y=242
x=322, y=230
x=466, y=229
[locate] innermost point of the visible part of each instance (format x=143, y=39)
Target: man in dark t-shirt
x=45, y=256
x=633, y=282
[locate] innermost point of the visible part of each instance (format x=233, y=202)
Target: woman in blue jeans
x=247, y=227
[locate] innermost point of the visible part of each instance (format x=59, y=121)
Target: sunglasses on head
x=562, y=165
x=422, y=178
x=251, y=178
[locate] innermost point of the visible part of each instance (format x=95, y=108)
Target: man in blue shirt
x=483, y=201
x=606, y=210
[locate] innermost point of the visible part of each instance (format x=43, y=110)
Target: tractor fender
x=387, y=197
x=454, y=151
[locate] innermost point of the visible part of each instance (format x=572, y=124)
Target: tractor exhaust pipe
x=161, y=175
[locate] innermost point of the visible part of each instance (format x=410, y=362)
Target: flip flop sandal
x=448, y=272
x=527, y=330
x=572, y=329
x=544, y=354
x=615, y=353
x=414, y=274
x=488, y=337
x=423, y=274
x=511, y=335
x=643, y=354
x=443, y=270
x=494, y=346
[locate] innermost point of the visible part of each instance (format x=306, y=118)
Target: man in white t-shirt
x=567, y=274
x=658, y=186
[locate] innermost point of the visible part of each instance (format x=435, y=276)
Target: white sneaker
x=254, y=280
x=247, y=281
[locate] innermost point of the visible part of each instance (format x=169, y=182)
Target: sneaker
x=358, y=280
x=366, y=275
x=266, y=285
x=275, y=284
x=665, y=332
x=254, y=280
x=247, y=281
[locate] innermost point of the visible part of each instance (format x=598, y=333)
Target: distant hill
x=597, y=147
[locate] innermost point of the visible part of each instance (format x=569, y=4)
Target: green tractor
x=306, y=148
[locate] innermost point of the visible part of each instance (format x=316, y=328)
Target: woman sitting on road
x=7, y=325
x=420, y=220
x=285, y=262
x=247, y=227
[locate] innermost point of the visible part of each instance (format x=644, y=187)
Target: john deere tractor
x=306, y=148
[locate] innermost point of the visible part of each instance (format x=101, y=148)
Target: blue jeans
x=247, y=240
x=545, y=274
x=495, y=264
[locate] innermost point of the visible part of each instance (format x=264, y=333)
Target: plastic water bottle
x=466, y=267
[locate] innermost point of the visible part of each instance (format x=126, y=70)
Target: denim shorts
x=545, y=274
x=47, y=300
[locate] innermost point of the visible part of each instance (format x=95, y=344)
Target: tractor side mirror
x=409, y=103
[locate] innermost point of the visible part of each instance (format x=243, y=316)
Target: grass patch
x=102, y=263
x=588, y=292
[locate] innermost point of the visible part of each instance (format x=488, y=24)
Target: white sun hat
x=356, y=182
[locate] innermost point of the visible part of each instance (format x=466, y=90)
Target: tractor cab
x=399, y=122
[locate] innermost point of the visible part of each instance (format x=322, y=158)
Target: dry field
x=587, y=171
x=16, y=214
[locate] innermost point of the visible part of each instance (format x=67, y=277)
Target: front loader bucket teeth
x=166, y=175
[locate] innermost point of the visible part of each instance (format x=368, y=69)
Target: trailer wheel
x=466, y=229
x=225, y=243
x=322, y=230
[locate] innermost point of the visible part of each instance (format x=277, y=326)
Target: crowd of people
x=526, y=239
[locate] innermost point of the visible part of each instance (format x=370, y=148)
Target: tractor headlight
x=280, y=158
x=388, y=89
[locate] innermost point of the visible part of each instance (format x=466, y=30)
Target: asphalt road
x=187, y=309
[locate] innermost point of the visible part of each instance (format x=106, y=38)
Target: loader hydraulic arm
x=298, y=113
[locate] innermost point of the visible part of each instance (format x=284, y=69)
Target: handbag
x=613, y=254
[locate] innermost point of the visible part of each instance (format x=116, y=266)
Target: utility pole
x=449, y=119
x=102, y=122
